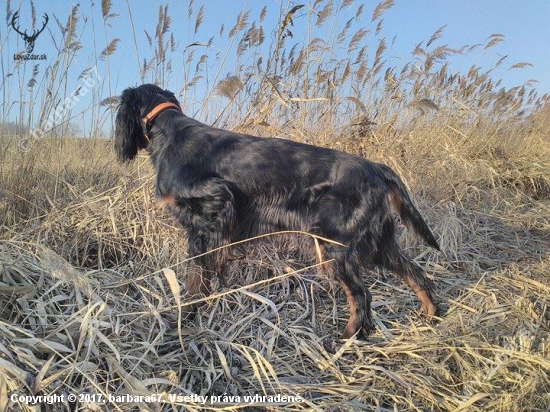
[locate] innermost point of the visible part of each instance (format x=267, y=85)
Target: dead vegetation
x=92, y=268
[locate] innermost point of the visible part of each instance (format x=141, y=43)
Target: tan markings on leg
x=198, y=286
x=221, y=257
x=350, y=327
x=322, y=270
x=197, y=283
x=168, y=200
x=395, y=200
x=426, y=304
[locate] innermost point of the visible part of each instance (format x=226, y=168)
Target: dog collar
x=149, y=117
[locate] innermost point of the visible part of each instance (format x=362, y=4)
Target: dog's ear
x=128, y=131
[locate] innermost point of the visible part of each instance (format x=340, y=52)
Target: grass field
x=92, y=268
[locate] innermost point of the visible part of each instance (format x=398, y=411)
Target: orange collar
x=149, y=117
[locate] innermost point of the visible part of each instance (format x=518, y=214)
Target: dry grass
x=93, y=289
x=92, y=268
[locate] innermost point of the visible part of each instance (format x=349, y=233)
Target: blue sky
x=525, y=25
x=409, y=22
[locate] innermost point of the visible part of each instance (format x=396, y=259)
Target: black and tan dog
x=227, y=186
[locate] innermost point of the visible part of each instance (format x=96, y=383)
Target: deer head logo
x=29, y=40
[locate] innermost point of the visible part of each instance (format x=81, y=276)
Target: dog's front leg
x=207, y=211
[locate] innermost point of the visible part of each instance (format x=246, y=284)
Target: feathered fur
x=226, y=186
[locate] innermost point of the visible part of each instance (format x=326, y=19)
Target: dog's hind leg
x=390, y=256
x=348, y=273
x=415, y=277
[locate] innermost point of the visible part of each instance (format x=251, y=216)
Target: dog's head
x=135, y=103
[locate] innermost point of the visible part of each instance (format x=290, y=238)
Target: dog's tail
x=402, y=203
